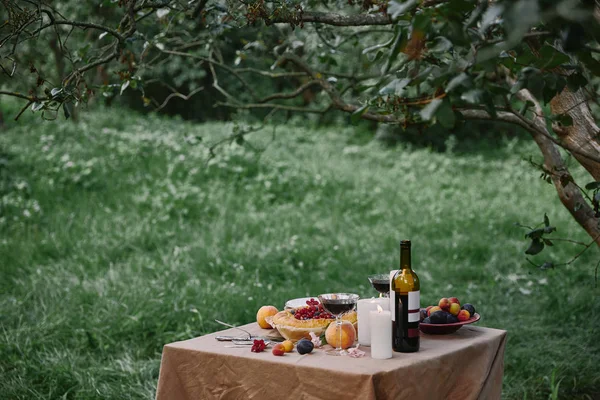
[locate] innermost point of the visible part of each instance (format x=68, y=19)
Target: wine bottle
x=405, y=289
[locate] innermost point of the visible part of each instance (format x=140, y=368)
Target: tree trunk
x=568, y=193
x=582, y=135
x=60, y=69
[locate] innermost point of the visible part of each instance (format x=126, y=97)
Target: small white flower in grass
x=525, y=291
x=26, y=213
x=543, y=281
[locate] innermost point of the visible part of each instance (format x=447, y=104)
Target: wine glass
x=381, y=283
x=338, y=304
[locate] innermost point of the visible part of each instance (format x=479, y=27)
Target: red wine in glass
x=381, y=283
x=338, y=304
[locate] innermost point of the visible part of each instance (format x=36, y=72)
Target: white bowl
x=295, y=303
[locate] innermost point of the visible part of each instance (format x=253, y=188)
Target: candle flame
x=379, y=309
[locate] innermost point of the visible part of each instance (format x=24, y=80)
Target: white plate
x=295, y=303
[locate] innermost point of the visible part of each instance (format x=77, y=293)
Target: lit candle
x=380, y=322
x=363, y=308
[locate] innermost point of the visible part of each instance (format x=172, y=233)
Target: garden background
x=131, y=224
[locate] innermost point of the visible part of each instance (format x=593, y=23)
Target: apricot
x=463, y=315
x=264, y=312
x=444, y=304
x=432, y=310
x=453, y=300
x=332, y=334
x=427, y=309
x=454, y=308
x=278, y=349
x=288, y=345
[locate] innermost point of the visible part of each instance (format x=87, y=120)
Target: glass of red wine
x=381, y=283
x=338, y=304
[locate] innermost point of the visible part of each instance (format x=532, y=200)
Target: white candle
x=363, y=308
x=380, y=322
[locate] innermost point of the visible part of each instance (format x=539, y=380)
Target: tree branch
x=338, y=19
x=290, y=95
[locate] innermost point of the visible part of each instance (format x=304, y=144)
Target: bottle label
x=392, y=295
x=414, y=306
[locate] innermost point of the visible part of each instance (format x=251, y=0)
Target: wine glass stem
x=338, y=321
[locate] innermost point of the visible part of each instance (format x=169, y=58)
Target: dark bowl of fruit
x=447, y=317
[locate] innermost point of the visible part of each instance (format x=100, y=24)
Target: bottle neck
x=405, y=256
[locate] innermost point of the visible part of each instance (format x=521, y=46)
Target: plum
x=304, y=346
x=469, y=308
x=438, y=317
x=451, y=319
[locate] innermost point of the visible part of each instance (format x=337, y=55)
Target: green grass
x=118, y=235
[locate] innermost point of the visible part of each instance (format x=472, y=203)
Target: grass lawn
x=118, y=235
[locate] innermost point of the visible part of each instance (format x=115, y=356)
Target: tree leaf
x=535, y=233
x=67, y=110
x=551, y=57
x=395, y=8
x=459, y=80
x=429, y=110
x=592, y=186
x=445, y=115
x=55, y=91
x=395, y=87
x=357, y=115
x=546, y=220
x=490, y=16
x=473, y=96
x=564, y=120
x=37, y=106
x=441, y=45
x=548, y=242
x=547, y=265
x=124, y=86
x=535, y=247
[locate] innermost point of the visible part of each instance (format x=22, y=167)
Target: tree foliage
x=413, y=63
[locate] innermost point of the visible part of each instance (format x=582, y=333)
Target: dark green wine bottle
x=405, y=290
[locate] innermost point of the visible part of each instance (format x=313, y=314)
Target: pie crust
x=295, y=329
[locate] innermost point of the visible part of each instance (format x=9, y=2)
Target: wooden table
x=467, y=364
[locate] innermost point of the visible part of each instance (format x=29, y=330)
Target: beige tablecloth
x=467, y=364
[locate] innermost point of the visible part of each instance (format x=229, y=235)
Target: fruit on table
x=263, y=313
x=423, y=314
x=293, y=328
x=288, y=345
x=332, y=334
x=313, y=310
x=278, y=349
x=463, y=315
x=454, y=308
x=469, y=308
x=438, y=317
x=448, y=311
x=304, y=346
x=444, y=303
x=432, y=310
